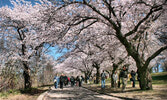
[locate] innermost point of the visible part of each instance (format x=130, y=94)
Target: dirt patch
x=20, y=97
x=158, y=92
x=30, y=94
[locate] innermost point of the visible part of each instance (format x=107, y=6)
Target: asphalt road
x=74, y=93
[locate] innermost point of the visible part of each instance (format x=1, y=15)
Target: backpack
x=123, y=74
x=55, y=80
x=62, y=79
x=71, y=79
x=103, y=76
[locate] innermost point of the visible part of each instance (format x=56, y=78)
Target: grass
x=158, y=92
x=24, y=94
x=159, y=78
x=10, y=92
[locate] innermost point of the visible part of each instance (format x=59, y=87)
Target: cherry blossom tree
x=128, y=21
x=96, y=28
x=20, y=34
x=77, y=62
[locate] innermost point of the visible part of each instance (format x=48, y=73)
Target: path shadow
x=125, y=98
x=75, y=94
x=36, y=91
x=107, y=93
x=32, y=91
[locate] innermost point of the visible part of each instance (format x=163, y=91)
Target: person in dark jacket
x=133, y=74
x=61, y=81
x=123, y=77
x=72, y=80
x=65, y=80
x=78, y=81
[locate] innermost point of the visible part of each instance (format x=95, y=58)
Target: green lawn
x=159, y=78
x=159, y=81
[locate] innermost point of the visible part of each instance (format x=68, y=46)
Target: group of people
x=120, y=79
x=63, y=80
x=123, y=77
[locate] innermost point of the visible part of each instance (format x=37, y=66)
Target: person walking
x=94, y=79
x=123, y=77
x=88, y=80
x=115, y=78
x=56, y=81
x=61, y=81
x=78, y=80
x=82, y=79
x=72, y=80
x=68, y=80
x=103, y=77
x=65, y=80
x=133, y=74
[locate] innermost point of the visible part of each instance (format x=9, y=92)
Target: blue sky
x=53, y=51
x=4, y=3
x=7, y=2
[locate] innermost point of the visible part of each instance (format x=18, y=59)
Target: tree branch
x=152, y=10
x=154, y=55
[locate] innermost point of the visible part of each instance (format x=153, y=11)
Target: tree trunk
x=112, y=81
x=145, y=79
x=97, y=66
x=165, y=69
x=97, y=75
x=86, y=77
x=157, y=68
x=26, y=74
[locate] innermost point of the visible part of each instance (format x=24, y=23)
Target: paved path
x=74, y=93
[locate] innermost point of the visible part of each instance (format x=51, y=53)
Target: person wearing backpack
x=103, y=77
x=72, y=80
x=123, y=77
x=56, y=81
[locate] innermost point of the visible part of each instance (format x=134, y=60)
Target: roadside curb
x=40, y=97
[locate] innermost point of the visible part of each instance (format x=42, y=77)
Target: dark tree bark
x=86, y=77
x=97, y=66
x=97, y=75
x=145, y=82
x=26, y=74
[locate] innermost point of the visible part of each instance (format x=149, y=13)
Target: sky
x=4, y=3
x=53, y=51
x=7, y=2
